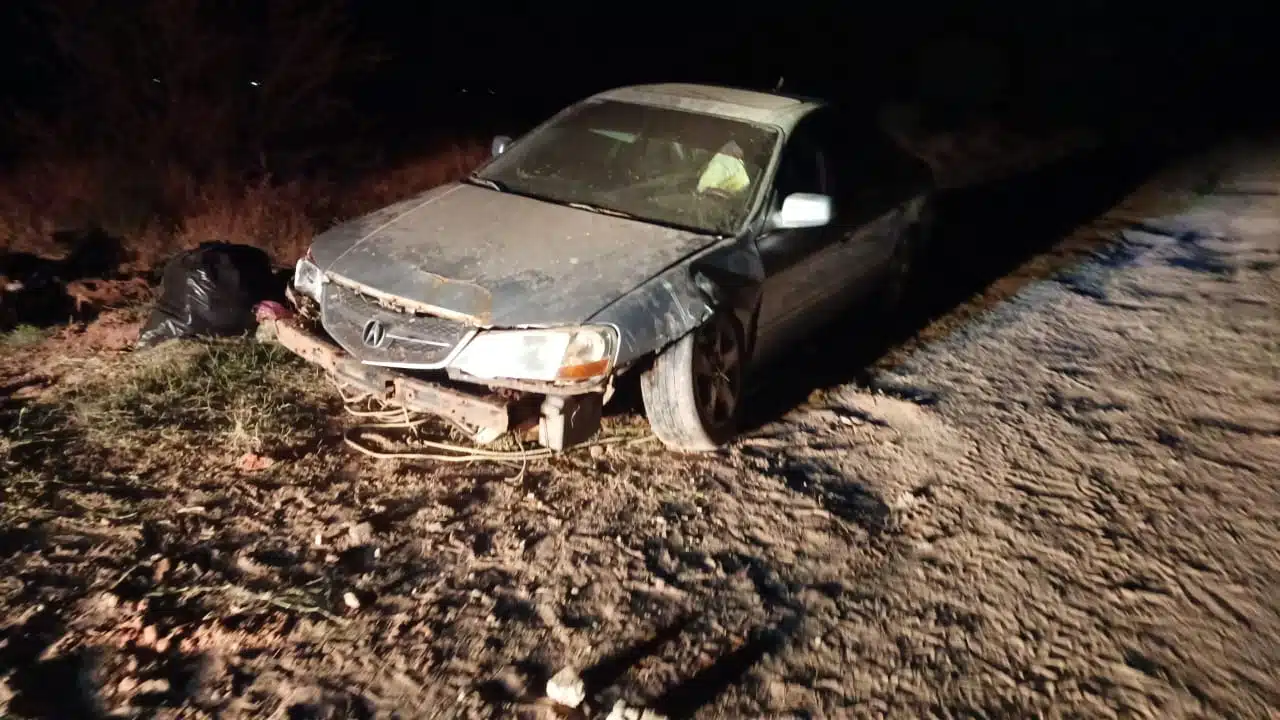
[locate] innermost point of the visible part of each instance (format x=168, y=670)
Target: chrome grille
x=403, y=339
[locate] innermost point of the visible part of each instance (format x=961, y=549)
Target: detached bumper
x=490, y=414
x=562, y=421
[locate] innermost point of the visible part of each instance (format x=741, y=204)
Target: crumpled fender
x=680, y=299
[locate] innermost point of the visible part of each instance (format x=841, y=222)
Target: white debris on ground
x=622, y=711
x=566, y=688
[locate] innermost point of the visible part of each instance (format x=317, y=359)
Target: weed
x=24, y=336
x=27, y=430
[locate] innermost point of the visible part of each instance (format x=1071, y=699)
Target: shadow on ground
x=984, y=235
x=33, y=289
x=981, y=234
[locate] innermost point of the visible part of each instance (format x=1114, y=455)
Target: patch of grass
x=30, y=430
x=224, y=395
x=24, y=336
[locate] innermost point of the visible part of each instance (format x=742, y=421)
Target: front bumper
x=491, y=412
x=562, y=421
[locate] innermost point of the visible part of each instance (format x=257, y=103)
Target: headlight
x=307, y=278
x=579, y=353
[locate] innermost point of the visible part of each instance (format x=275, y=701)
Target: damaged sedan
x=689, y=234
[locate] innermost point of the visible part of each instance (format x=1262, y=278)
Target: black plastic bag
x=210, y=291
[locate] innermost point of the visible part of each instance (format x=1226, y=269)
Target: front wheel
x=693, y=390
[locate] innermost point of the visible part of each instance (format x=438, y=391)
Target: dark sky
x=1084, y=58
x=1053, y=54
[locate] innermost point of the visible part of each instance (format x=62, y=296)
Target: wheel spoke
x=726, y=394
x=716, y=368
x=712, y=342
x=703, y=366
x=703, y=389
x=729, y=359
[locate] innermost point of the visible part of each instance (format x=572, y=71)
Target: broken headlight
x=308, y=278
x=559, y=354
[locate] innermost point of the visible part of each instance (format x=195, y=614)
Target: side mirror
x=803, y=210
x=499, y=145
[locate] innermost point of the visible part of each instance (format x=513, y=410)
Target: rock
x=253, y=462
x=360, y=534
x=265, y=332
x=622, y=711
x=566, y=688
x=156, y=686
x=160, y=569
x=349, y=598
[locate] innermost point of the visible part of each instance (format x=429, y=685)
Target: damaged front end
x=488, y=382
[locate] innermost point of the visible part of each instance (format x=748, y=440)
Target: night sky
x=1080, y=53
x=488, y=67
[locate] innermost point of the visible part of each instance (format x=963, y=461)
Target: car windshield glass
x=659, y=164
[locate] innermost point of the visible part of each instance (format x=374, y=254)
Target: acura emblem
x=374, y=334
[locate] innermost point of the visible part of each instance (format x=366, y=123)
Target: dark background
x=1080, y=60
x=1093, y=63
x=486, y=67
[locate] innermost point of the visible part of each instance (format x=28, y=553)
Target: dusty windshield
x=658, y=164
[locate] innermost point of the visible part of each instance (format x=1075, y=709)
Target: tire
x=897, y=274
x=693, y=392
x=900, y=276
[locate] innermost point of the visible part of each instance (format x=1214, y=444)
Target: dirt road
x=1059, y=499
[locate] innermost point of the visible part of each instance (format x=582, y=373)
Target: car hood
x=496, y=259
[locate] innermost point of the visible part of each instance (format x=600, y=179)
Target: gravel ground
x=1051, y=501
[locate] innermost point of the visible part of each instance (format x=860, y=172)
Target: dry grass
x=181, y=121
x=239, y=396
x=166, y=210
x=23, y=336
x=198, y=400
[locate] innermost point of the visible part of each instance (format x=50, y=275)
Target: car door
x=864, y=179
x=804, y=268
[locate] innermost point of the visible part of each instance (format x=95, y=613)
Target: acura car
x=690, y=234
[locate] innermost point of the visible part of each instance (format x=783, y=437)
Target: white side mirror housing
x=803, y=210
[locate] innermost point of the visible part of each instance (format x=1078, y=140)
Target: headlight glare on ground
x=581, y=353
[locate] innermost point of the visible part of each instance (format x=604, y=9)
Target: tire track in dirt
x=1110, y=550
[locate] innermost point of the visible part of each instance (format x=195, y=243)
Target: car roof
x=750, y=105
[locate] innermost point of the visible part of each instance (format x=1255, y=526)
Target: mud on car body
x=688, y=233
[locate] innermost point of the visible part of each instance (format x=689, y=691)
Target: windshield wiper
x=601, y=210
x=486, y=182
x=495, y=185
